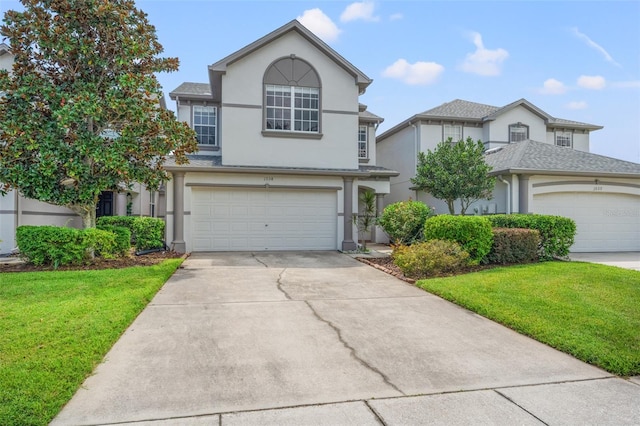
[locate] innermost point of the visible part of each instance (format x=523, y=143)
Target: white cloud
x=320, y=24
x=632, y=84
x=592, y=82
x=552, y=86
x=484, y=61
x=362, y=10
x=420, y=73
x=592, y=44
x=577, y=105
x=396, y=17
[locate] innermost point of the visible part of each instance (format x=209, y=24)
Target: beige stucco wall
x=498, y=129
x=398, y=152
x=242, y=115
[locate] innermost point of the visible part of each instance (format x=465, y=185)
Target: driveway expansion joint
x=520, y=407
x=352, y=350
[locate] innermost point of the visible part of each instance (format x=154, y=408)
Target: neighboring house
x=285, y=148
x=542, y=163
x=16, y=210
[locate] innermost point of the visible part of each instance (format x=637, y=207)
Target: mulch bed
x=95, y=264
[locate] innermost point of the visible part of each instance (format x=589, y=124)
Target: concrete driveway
x=627, y=260
x=320, y=338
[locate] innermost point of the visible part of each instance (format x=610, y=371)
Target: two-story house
x=284, y=149
x=542, y=164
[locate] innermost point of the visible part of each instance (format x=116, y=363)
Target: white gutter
x=508, y=193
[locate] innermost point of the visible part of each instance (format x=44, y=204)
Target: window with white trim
x=564, y=139
x=205, y=120
x=292, y=96
x=453, y=131
x=518, y=132
x=363, y=151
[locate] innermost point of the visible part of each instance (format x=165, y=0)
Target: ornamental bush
x=51, y=245
x=556, y=232
x=473, y=233
x=514, y=245
x=99, y=241
x=403, y=221
x=149, y=233
x=424, y=259
x=122, y=238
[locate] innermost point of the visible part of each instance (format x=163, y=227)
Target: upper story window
x=453, y=131
x=292, y=97
x=564, y=139
x=518, y=132
x=205, y=120
x=363, y=151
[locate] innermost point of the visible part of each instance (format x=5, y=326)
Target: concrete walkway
x=320, y=338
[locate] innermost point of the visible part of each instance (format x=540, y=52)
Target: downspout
x=417, y=148
x=508, y=193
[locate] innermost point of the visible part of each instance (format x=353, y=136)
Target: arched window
x=292, y=96
x=518, y=132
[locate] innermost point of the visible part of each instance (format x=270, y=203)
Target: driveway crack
x=279, y=281
x=352, y=350
x=258, y=260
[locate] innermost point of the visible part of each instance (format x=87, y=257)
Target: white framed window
x=363, y=151
x=152, y=203
x=453, y=131
x=300, y=115
x=205, y=124
x=564, y=139
x=518, y=132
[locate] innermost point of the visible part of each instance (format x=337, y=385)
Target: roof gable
x=361, y=79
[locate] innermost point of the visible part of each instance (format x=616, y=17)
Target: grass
x=57, y=326
x=589, y=311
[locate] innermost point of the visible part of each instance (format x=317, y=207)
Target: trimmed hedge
x=556, y=232
x=51, y=245
x=149, y=233
x=514, y=245
x=473, y=233
x=100, y=241
x=403, y=221
x=146, y=232
x=122, y=238
x=428, y=258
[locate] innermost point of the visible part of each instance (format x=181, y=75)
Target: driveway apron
x=320, y=338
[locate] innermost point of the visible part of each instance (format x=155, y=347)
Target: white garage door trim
x=257, y=219
x=604, y=221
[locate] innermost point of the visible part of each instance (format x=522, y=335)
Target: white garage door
x=259, y=219
x=605, y=222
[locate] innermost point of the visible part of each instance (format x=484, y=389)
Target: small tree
x=455, y=171
x=367, y=217
x=81, y=109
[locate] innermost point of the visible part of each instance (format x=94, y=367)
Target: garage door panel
x=258, y=219
x=604, y=221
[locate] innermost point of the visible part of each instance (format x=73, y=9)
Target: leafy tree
x=81, y=109
x=367, y=217
x=455, y=171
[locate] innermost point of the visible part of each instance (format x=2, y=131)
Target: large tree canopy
x=80, y=113
x=455, y=170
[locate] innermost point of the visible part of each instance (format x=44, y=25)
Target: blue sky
x=575, y=60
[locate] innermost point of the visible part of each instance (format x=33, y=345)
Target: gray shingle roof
x=191, y=89
x=369, y=116
x=543, y=157
x=461, y=109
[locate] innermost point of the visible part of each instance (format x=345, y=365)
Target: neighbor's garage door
x=260, y=219
x=605, y=222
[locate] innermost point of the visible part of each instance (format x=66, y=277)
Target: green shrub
x=122, y=238
x=428, y=258
x=100, y=241
x=149, y=233
x=556, y=232
x=124, y=221
x=473, y=233
x=51, y=245
x=514, y=245
x=403, y=221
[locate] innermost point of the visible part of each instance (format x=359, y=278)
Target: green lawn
x=589, y=311
x=57, y=326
